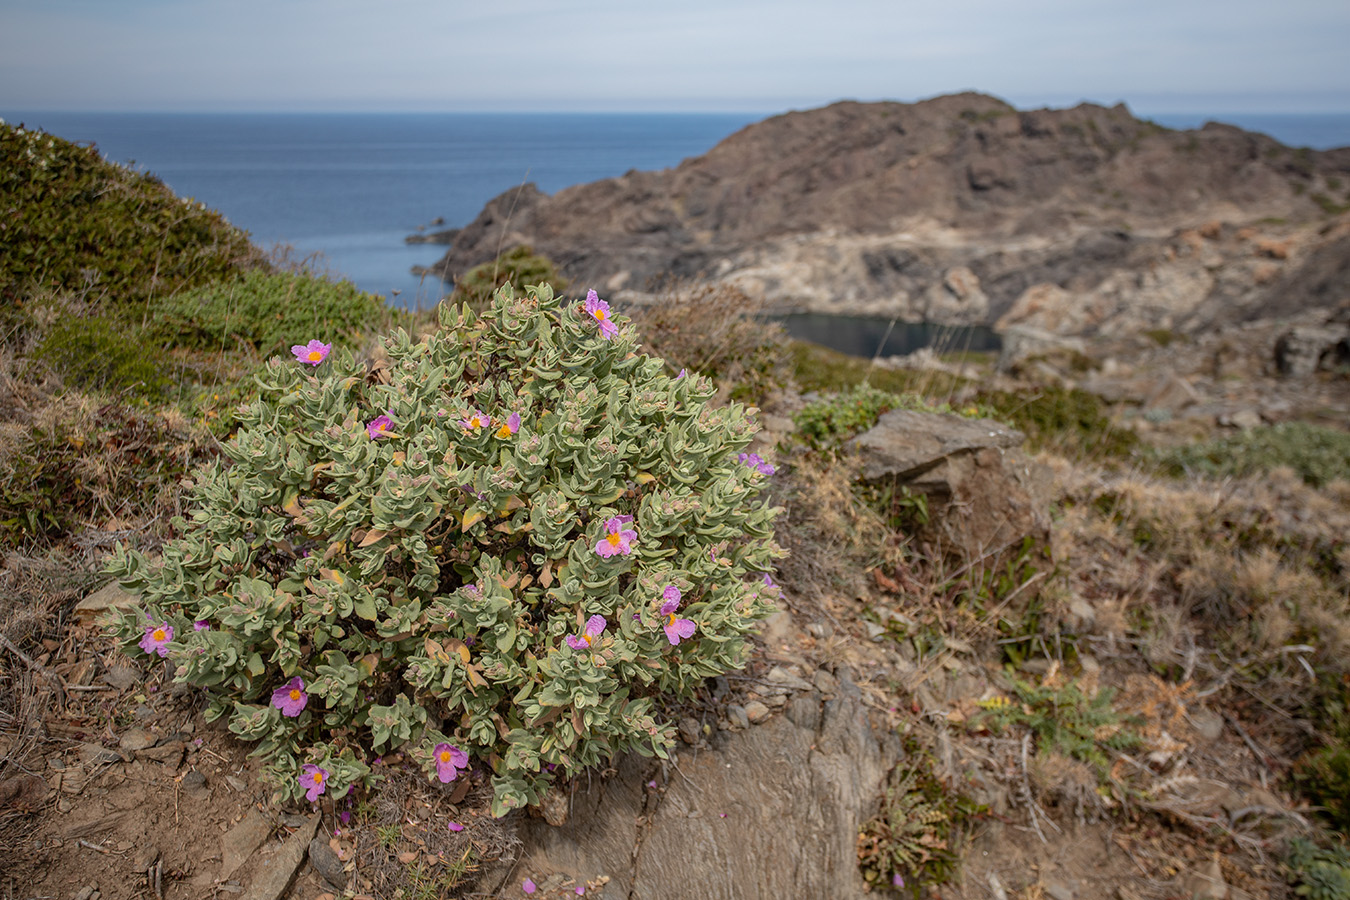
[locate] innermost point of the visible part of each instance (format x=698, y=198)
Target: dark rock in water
x=982, y=491
x=433, y=237
x=774, y=811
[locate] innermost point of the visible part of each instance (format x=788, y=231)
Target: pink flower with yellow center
x=618, y=540
x=475, y=421
x=449, y=760
x=156, y=636
x=314, y=780
x=598, y=310
x=675, y=628
x=595, y=626
x=291, y=698
x=510, y=426
x=312, y=353
x=380, y=426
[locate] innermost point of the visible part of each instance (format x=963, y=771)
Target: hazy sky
x=755, y=56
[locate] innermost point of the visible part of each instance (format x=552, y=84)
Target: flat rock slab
x=905, y=443
x=93, y=607
x=273, y=874
x=241, y=840
x=773, y=812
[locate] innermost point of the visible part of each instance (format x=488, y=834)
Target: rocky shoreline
x=961, y=210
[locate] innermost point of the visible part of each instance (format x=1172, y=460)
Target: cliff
x=958, y=209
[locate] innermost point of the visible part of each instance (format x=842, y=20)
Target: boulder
x=1304, y=349
x=982, y=491
x=794, y=789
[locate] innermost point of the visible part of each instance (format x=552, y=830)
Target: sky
x=697, y=55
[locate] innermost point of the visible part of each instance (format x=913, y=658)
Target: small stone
x=170, y=754
x=689, y=730
x=756, y=712
x=785, y=678
x=97, y=755
x=146, y=858
x=292, y=820
x=134, y=739
x=327, y=863
x=194, y=785
x=737, y=717
x=1207, y=723
x=237, y=783
x=720, y=687
x=64, y=805
x=825, y=682
x=93, y=607
x=1206, y=883
x=122, y=677
x=820, y=630
x=874, y=631
x=776, y=701
x=85, y=892
x=1057, y=890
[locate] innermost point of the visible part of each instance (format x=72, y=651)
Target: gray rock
x=97, y=755
x=145, y=858
x=93, y=607
x=825, y=682
x=169, y=754
x=134, y=739
x=1058, y=890
x=982, y=493
x=1206, y=883
x=1303, y=349
x=795, y=788
x=194, y=785
x=784, y=678
x=273, y=875
x=690, y=733
x=241, y=841
x=736, y=715
x=327, y=863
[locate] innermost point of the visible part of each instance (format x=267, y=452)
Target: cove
x=862, y=335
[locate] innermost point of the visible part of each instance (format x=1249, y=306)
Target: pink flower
x=528, y=886
x=380, y=426
x=898, y=880
x=581, y=889
x=617, y=540
x=675, y=628
x=510, y=426
x=314, y=780
x=156, y=636
x=455, y=827
x=313, y=353
x=201, y=625
x=449, y=759
x=754, y=461
x=475, y=421
x=595, y=626
x=291, y=698
x=681, y=375
x=599, y=310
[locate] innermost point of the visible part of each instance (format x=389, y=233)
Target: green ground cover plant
x=77, y=223
x=1318, y=454
x=497, y=548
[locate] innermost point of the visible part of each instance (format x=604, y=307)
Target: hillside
x=959, y=209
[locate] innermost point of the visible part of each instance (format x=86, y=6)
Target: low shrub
x=263, y=312
x=498, y=547
x=518, y=267
x=98, y=354
x=1318, y=454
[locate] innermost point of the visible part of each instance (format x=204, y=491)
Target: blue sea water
x=352, y=186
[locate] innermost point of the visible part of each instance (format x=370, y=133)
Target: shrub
x=1319, y=873
x=98, y=354
x=717, y=330
x=518, y=267
x=1319, y=455
x=501, y=546
x=79, y=223
x=265, y=311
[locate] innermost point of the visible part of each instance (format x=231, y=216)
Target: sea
x=346, y=189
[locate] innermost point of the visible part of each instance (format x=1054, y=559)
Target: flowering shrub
x=380, y=567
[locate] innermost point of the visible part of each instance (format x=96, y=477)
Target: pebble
x=784, y=678
x=86, y=892
x=775, y=701
x=237, y=783
x=736, y=715
x=327, y=863
x=820, y=630
x=756, y=712
x=194, y=785
x=825, y=682
x=146, y=858
x=689, y=731
x=94, y=754
x=134, y=739
x=170, y=754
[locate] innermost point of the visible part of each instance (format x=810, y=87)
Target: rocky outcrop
x=960, y=210
x=982, y=492
x=770, y=811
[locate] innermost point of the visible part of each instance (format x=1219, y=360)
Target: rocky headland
x=962, y=210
